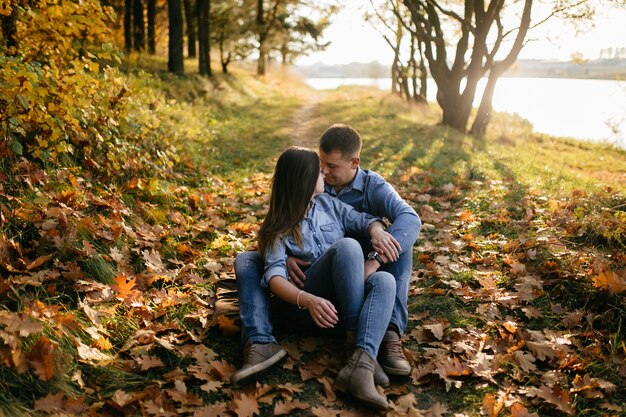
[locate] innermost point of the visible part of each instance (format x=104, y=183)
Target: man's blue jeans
x=364, y=307
x=401, y=271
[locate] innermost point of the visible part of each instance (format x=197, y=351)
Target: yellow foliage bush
x=63, y=100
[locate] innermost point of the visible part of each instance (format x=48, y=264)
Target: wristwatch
x=375, y=256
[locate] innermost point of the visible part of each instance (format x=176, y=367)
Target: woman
x=305, y=222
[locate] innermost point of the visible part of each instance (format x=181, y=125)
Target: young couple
x=322, y=276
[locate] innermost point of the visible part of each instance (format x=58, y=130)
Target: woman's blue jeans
x=364, y=306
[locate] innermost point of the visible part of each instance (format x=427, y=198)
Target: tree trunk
x=191, y=29
x=260, y=23
x=204, y=40
x=224, y=60
x=128, y=25
x=151, y=27
x=9, y=30
x=483, y=117
x=175, y=61
x=395, y=74
x=139, y=27
x=423, y=75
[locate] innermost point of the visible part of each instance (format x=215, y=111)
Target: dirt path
x=303, y=132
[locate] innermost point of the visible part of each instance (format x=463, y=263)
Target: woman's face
x=319, y=187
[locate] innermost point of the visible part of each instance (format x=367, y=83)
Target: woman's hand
x=322, y=311
x=384, y=243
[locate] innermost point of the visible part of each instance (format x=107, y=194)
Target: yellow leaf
x=611, y=280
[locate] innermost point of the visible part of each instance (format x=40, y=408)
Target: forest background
x=128, y=182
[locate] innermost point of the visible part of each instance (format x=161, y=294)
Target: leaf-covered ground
x=516, y=301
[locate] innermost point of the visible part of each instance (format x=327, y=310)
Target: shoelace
x=393, y=347
x=248, y=352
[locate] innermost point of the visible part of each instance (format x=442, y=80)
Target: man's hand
x=294, y=269
x=385, y=244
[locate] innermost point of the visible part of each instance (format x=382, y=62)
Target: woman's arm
x=322, y=311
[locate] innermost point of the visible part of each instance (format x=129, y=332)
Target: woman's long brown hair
x=295, y=177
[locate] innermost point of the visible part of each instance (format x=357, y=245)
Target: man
x=340, y=148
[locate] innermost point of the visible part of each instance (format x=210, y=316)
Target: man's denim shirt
x=370, y=193
x=327, y=221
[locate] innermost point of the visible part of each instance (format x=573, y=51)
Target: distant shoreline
x=599, y=69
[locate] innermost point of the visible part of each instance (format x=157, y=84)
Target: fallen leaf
x=19, y=323
x=148, y=362
x=123, y=288
x=611, y=280
x=227, y=325
x=284, y=407
x=91, y=355
x=40, y=358
x=518, y=410
x=245, y=405
x=437, y=410
x=532, y=312
x=436, y=329
x=212, y=386
x=525, y=360
x=50, y=403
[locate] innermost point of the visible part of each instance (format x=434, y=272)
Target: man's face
x=338, y=171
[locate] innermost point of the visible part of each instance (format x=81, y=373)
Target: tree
x=151, y=27
x=139, y=26
x=386, y=19
x=299, y=30
x=233, y=29
x=190, y=18
x=175, y=61
x=128, y=25
x=473, y=32
x=204, y=33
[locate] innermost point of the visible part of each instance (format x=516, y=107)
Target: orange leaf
x=123, y=288
x=611, y=280
x=466, y=216
x=38, y=262
x=40, y=358
x=245, y=405
x=518, y=410
x=227, y=325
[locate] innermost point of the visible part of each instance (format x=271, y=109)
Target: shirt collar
x=358, y=183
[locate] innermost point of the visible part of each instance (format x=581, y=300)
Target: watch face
x=372, y=255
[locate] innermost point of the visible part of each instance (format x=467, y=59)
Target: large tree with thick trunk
x=175, y=61
x=204, y=37
x=467, y=40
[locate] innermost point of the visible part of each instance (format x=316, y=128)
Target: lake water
x=583, y=109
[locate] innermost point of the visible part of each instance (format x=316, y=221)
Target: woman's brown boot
x=380, y=377
x=357, y=378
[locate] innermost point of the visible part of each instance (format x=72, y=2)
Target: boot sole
x=396, y=371
x=257, y=370
x=341, y=386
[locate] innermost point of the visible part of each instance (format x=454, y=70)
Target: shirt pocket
x=331, y=232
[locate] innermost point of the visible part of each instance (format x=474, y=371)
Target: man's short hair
x=342, y=138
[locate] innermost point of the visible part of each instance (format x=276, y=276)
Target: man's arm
x=384, y=201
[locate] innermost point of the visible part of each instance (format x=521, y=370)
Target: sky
x=354, y=40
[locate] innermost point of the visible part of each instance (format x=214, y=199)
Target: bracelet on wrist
x=298, y=300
